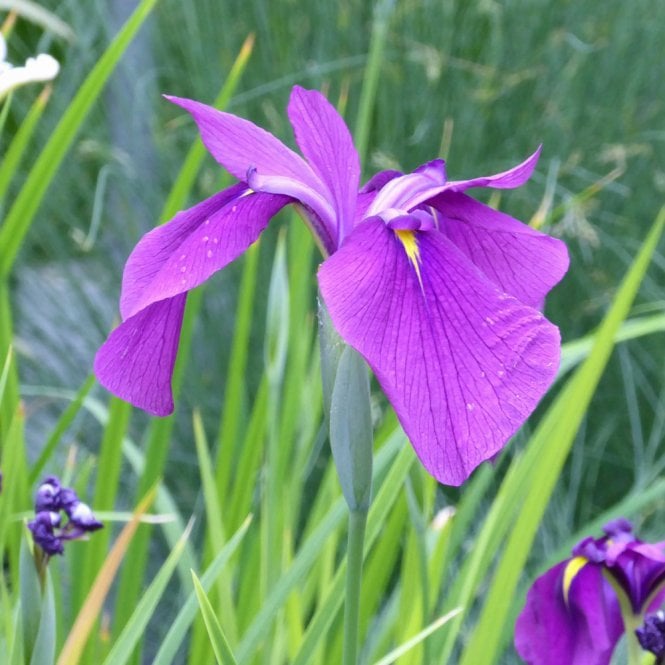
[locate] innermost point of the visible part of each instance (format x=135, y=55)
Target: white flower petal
x=42, y=68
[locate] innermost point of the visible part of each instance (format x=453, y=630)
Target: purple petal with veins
x=326, y=143
x=520, y=260
x=433, y=288
x=582, y=631
x=408, y=191
x=180, y=255
x=238, y=145
x=462, y=363
x=509, y=179
x=136, y=361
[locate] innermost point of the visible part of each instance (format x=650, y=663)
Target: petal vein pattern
x=517, y=258
x=196, y=243
x=238, y=144
x=509, y=179
x=586, y=626
x=136, y=361
x=463, y=363
x=326, y=143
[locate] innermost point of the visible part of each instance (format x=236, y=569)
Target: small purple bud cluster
x=651, y=635
x=47, y=528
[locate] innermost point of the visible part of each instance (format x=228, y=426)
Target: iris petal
x=462, y=363
x=520, y=260
x=136, y=361
x=196, y=243
x=158, y=245
x=509, y=179
x=408, y=191
x=583, y=631
x=326, y=143
x=238, y=145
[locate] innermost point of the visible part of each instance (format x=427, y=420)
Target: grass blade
x=73, y=648
x=306, y=557
x=133, y=630
x=174, y=638
x=12, y=156
x=330, y=607
x=60, y=428
x=218, y=640
x=417, y=639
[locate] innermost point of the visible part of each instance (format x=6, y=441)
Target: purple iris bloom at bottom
x=441, y=294
x=572, y=613
x=651, y=635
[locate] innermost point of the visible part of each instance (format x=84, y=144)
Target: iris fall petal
x=136, y=361
x=517, y=258
x=583, y=631
x=462, y=363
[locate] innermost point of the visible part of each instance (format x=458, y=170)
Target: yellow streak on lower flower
x=572, y=568
x=410, y=244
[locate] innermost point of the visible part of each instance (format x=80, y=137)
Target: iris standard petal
x=136, y=361
x=520, y=260
x=183, y=253
x=378, y=180
x=326, y=143
x=410, y=190
x=583, y=631
x=462, y=363
x=509, y=179
x=238, y=145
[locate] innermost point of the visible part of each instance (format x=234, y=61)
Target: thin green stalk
x=631, y=621
x=11, y=392
x=382, y=13
x=354, y=571
x=633, y=648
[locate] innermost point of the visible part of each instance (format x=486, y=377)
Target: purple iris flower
x=572, y=613
x=438, y=292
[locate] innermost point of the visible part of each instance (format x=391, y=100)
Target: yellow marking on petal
x=410, y=244
x=574, y=566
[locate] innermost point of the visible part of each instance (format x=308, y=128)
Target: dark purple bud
x=47, y=530
x=81, y=516
x=652, y=635
x=42, y=528
x=48, y=495
x=68, y=500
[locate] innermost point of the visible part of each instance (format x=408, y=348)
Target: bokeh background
x=481, y=84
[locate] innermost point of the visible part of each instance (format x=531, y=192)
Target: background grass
x=481, y=84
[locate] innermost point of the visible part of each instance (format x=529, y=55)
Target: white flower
x=42, y=68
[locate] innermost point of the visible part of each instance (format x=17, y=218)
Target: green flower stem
x=349, y=411
x=354, y=570
x=631, y=621
x=633, y=648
